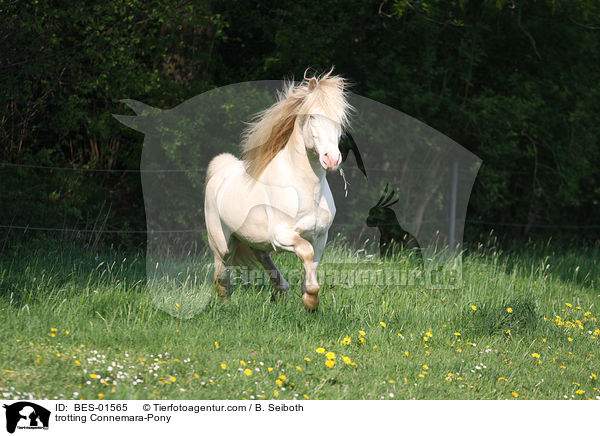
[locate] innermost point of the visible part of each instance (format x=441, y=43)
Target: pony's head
x=317, y=106
x=321, y=137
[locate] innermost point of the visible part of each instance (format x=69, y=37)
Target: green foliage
x=514, y=81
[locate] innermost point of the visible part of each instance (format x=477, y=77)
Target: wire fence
x=139, y=171
x=100, y=170
x=109, y=231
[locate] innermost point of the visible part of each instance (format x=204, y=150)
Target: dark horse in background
x=393, y=237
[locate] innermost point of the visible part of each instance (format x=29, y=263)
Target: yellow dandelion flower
x=347, y=360
x=456, y=333
x=173, y=379
x=502, y=379
x=570, y=339
x=243, y=363
x=514, y=394
x=536, y=355
x=346, y=340
x=275, y=394
x=298, y=368
x=330, y=355
x=382, y=324
x=52, y=334
x=580, y=392
x=329, y=363
x=429, y=334
x=67, y=332
x=305, y=396
x=421, y=375
x=568, y=305
x=362, y=340
x=216, y=345
x=361, y=332
x=100, y=395
x=270, y=369
x=473, y=307
x=39, y=359
x=375, y=347
x=53, y=329
x=196, y=375
x=593, y=376
x=509, y=309
x=94, y=376
x=223, y=366
x=176, y=304
x=391, y=381
x=406, y=353
x=320, y=350
x=279, y=382
x=425, y=367
x=282, y=377
x=248, y=371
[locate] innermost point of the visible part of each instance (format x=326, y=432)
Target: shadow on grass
x=493, y=319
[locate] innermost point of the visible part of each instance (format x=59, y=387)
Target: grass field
x=523, y=326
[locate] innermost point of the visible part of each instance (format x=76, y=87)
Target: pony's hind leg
x=222, y=278
x=281, y=285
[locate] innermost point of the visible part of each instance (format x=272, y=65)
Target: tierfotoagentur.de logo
x=25, y=415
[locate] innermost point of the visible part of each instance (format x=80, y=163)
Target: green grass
x=66, y=317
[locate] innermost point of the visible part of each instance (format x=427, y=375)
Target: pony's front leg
x=305, y=251
x=318, y=248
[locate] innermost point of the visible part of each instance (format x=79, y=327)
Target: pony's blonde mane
x=271, y=131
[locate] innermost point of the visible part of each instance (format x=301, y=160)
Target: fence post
x=453, y=195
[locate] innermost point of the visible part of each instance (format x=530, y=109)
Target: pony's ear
x=312, y=84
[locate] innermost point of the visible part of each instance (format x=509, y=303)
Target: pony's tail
x=218, y=163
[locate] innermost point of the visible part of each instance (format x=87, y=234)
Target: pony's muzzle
x=329, y=162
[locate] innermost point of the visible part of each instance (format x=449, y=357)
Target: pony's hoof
x=224, y=298
x=280, y=296
x=311, y=302
x=223, y=295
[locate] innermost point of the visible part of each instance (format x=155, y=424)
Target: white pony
x=277, y=196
